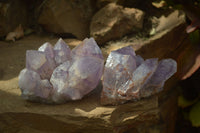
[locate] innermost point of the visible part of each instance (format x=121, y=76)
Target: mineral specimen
x=57, y=74
x=62, y=52
x=128, y=76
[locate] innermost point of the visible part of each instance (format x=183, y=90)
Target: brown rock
x=67, y=16
x=85, y=116
x=114, y=21
x=165, y=22
x=16, y=34
x=12, y=14
x=102, y=3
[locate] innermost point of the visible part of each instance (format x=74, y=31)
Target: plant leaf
x=194, y=36
x=194, y=115
x=183, y=103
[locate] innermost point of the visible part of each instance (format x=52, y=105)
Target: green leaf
x=183, y=103
x=178, y=6
x=194, y=115
x=28, y=31
x=194, y=37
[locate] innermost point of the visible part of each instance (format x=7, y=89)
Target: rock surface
x=12, y=14
x=101, y=3
x=114, y=21
x=164, y=22
x=67, y=16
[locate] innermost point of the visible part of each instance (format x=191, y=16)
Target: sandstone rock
x=16, y=34
x=12, y=14
x=166, y=22
x=85, y=116
x=101, y=3
x=130, y=3
x=173, y=22
x=67, y=16
x=114, y=21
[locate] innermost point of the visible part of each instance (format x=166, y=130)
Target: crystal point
x=88, y=47
x=62, y=52
x=47, y=48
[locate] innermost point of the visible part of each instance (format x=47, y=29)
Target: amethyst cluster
x=128, y=76
x=58, y=74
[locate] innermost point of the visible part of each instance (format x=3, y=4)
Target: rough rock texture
x=85, y=116
x=102, y=3
x=56, y=75
x=127, y=77
x=114, y=21
x=12, y=13
x=156, y=114
x=67, y=16
x=165, y=22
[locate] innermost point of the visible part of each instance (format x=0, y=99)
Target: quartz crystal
x=57, y=74
x=128, y=76
x=62, y=52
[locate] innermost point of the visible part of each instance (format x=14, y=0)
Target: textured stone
x=16, y=34
x=102, y=3
x=114, y=21
x=12, y=14
x=57, y=75
x=165, y=22
x=124, y=79
x=67, y=17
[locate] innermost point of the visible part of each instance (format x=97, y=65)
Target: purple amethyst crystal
x=165, y=69
x=62, y=52
x=39, y=62
x=87, y=48
x=32, y=86
x=129, y=77
x=56, y=75
x=47, y=48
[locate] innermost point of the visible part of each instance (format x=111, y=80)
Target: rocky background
x=152, y=29
x=105, y=20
